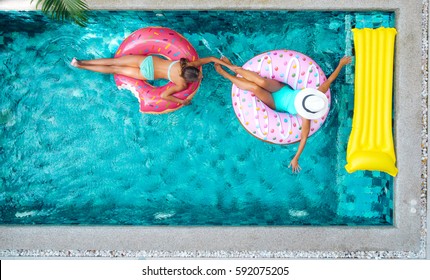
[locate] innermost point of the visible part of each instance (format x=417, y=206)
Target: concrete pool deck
x=407, y=238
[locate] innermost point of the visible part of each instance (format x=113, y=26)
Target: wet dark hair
x=189, y=73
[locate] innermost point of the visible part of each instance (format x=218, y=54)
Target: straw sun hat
x=311, y=103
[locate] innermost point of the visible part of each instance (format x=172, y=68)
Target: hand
x=186, y=102
x=294, y=164
x=345, y=60
x=217, y=67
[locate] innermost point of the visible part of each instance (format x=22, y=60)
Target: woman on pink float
x=153, y=53
x=148, y=68
x=280, y=96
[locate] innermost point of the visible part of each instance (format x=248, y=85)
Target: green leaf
x=75, y=10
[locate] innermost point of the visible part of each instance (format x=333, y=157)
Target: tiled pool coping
x=406, y=239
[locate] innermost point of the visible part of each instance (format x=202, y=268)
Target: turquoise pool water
x=76, y=150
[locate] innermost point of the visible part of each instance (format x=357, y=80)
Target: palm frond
x=74, y=10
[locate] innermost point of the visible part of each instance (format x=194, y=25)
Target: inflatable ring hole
x=158, y=83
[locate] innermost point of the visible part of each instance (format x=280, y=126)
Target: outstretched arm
x=209, y=59
x=294, y=164
x=168, y=94
x=306, y=124
x=326, y=85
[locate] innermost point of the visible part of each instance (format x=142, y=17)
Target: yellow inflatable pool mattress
x=370, y=145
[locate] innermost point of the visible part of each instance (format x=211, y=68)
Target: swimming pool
x=75, y=150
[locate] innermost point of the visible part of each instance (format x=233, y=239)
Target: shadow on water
x=29, y=22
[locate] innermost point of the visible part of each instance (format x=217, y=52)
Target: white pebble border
x=282, y=254
x=211, y=254
x=425, y=136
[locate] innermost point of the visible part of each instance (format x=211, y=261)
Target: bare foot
x=226, y=60
x=74, y=62
x=231, y=66
x=218, y=68
x=221, y=71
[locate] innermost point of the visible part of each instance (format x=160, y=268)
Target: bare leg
x=245, y=84
x=126, y=65
x=268, y=84
x=132, y=72
x=127, y=60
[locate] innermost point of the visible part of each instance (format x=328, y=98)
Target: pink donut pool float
x=292, y=68
x=163, y=42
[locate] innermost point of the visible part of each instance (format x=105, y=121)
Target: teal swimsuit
x=284, y=99
x=147, y=68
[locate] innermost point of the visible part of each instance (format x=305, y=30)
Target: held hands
x=294, y=164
